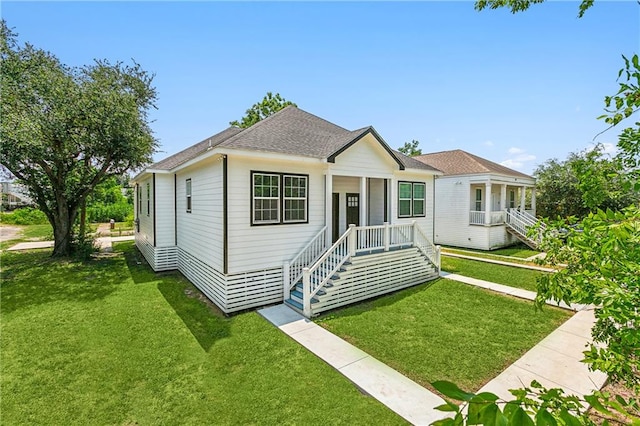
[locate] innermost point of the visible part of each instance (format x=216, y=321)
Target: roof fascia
x=332, y=158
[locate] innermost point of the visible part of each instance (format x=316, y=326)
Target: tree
x=411, y=148
x=583, y=183
x=269, y=105
x=65, y=130
x=522, y=5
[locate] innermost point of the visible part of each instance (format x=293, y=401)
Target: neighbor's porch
x=489, y=201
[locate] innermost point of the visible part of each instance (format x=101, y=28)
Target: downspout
x=225, y=216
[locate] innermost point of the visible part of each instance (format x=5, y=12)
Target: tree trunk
x=63, y=219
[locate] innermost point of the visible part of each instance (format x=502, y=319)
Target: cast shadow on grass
x=33, y=278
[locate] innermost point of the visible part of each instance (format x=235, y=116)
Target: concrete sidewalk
x=105, y=243
x=401, y=394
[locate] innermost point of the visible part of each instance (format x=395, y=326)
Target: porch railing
x=360, y=240
x=478, y=217
x=521, y=222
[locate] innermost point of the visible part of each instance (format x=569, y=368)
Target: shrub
x=25, y=216
x=105, y=212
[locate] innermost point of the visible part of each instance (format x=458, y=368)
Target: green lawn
x=507, y=275
x=110, y=342
x=520, y=251
x=29, y=233
x=445, y=331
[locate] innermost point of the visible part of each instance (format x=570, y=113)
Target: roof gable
x=359, y=134
x=459, y=162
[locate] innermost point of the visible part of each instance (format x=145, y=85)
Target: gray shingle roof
x=459, y=162
x=289, y=131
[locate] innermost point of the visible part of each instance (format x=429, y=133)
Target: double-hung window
x=478, y=199
x=188, y=192
x=512, y=199
x=139, y=200
x=411, y=199
x=279, y=198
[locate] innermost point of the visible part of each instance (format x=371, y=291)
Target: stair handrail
x=307, y=256
x=429, y=249
x=317, y=275
x=521, y=222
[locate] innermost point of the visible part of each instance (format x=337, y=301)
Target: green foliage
x=584, y=182
x=24, y=216
x=411, y=148
x=83, y=246
x=602, y=255
x=105, y=212
x=269, y=105
x=64, y=130
x=521, y=5
x=533, y=405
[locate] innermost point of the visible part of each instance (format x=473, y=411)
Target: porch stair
x=519, y=223
x=368, y=275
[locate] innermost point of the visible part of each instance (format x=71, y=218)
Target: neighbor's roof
x=289, y=131
x=459, y=162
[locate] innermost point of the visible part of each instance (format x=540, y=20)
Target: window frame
x=512, y=199
x=139, y=194
x=478, y=202
x=188, y=189
x=148, y=198
x=281, y=199
x=412, y=199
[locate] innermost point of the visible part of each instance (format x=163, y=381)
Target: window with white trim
x=512, y=199
x=478, y=199
x=279, y=198
x=139, y=200
x=411, y=199
x=188, y=192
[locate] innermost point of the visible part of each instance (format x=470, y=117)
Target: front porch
x=366, y=261
x=490, y=201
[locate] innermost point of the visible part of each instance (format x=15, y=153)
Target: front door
x=353, y=209
x=335, y=219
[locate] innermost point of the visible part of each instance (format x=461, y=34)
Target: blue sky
x=516, y=89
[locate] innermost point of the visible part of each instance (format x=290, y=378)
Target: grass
x=507, y=275
x=520, y=251
x=445, y=331
x=110, y=342
x=29, y=233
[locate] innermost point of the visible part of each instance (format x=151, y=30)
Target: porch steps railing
x=403, y=254
x=519, y=223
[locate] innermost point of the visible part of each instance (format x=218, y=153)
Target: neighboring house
x=480, y=204
x=243, y=213
x=14, y=195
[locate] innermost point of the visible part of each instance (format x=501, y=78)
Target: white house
x=260, y=215
x=480, y=204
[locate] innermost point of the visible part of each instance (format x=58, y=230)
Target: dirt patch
x=9, y=232
x=615, y=419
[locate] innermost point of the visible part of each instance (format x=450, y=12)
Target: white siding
x=146, y=218
x=426, y=222
x=200, y=231
x=268, y=246
x=376, y=201
x=365, y=158
x=164, y=205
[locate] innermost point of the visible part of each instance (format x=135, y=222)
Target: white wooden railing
x=521, y=221
x=478, y=217
x=360, y=240
x=307, y=256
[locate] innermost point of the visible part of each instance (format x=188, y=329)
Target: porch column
x=393, y=200
x=328, y=208
x=522, y=193
x=503, y=196
x=487, y=203
x=363, y=201
x=533, y=201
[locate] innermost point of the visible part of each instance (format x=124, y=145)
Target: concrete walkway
x=105, y=243
x=555, y=362
x=499, y=262
x=401, y=394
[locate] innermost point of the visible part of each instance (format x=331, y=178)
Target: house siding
x=164, y=205
x=253, y=247
x=365, y=158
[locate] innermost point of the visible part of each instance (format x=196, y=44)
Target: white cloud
x=608, y=148
x=514, y=150
x=488, y=143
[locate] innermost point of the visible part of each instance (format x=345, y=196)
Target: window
x=276, y=192
x=478, y=199
x=139, y=200
x=512, y=199
x=148, y=198
x=411, y=199
x=188, y=191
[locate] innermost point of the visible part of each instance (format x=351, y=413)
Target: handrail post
x=414, y=232
x=352, y=240
x=387, y=232
x=438, y=254
x=286, y=277
x=306, y=292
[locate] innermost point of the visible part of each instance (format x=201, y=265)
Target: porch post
x=393, y=200
x=306, y=292
x=363, y=201
x=387, y=235
x=328, y=208
x=487, y=203
x=503, y=200
x=533, y=201
x=286, y=278
x=522, y=194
